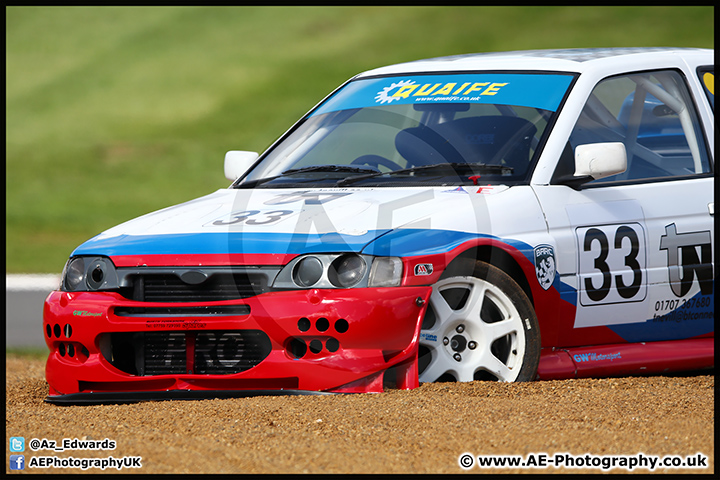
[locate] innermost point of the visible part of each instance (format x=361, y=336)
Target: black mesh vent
x=165, y=353
x=181, y=352
x=220, y=286
x=229, y=352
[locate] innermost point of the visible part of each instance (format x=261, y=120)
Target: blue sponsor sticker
x=544, y=91
x=428, y=337
x=596, y=357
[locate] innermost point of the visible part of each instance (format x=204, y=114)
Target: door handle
x=711, y=208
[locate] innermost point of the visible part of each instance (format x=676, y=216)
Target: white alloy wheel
x=474, y=330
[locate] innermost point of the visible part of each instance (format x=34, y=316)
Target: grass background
x=113, y=112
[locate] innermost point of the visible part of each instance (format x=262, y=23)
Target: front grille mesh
x=220, y=286
x=183, y=352
x=233, y=353
x=165, y=353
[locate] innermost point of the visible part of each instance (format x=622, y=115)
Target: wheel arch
x=493, y=268
x=494, y=256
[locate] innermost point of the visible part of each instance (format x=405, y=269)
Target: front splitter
x=134, y=397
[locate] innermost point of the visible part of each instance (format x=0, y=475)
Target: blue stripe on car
x=397, y=243
x=224, y=243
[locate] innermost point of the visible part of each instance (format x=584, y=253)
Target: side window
x=653, y=115
x=707, y=79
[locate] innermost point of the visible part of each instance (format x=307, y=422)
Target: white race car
x=505, y=216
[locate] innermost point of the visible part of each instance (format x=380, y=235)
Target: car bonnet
x=285, y=221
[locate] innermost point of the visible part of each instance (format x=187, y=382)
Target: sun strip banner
x=544, y=91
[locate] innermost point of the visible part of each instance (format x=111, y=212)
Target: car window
x=366, y=132
x=653, y=115
x=707, y=79
x=406, y=136
x=402, y=128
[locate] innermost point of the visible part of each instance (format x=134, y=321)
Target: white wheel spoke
x=473, y=306
x=496, y=367
x=443, y=312
x=437, y=367
x=435, y=330
x=466, y=371
x=500, y=329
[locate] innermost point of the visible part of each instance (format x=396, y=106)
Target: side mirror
x=600, y=160
x=596, y=160
x=237, y=163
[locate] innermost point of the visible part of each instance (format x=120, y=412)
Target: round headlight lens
x=75, y=273
x=347, y=271
x=307, y=272
x=96, y=274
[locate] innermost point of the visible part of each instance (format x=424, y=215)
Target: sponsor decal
x=545, y=265
x=684, y=263
x=709, y=82
x=455, y=190
x=384, y=96
x=428, y=337
x=423, y=269
x=596, y=357
x=308, y=197
x=85, y=313
x=494, y=88
x=407, y=88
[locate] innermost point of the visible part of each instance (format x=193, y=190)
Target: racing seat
x=497, y=139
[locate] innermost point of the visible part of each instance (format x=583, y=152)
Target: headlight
x=340, y=270
x=74, y=274
x=82, y=274
x=307, y=272
x=346, y=271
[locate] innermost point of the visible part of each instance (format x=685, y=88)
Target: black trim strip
x=474, y=71
x=645, y=181
x=201, y=311
x=133, y=397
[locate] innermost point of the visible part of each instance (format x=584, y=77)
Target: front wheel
x=479, y=327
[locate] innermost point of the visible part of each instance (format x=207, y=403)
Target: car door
x=635, y=250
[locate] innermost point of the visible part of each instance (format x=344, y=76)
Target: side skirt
x=627, y=359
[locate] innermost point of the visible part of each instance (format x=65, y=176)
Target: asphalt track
x=24, y=297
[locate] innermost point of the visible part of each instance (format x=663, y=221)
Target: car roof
x=562, y=60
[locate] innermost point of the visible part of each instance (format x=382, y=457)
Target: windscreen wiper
x=313, y=168
x=457, y=168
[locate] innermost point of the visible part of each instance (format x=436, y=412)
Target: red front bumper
x=315, y=340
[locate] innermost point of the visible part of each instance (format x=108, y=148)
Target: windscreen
x=448, y=129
